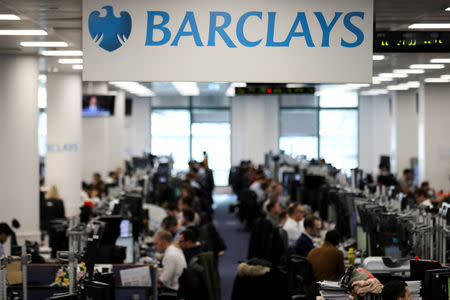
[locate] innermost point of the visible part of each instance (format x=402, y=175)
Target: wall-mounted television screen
x=128, y=106
x=98, y=106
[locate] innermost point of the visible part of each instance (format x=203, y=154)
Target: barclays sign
x=225, y=18
x=256, y=41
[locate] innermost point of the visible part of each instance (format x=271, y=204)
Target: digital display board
x=411, y=41
x=268, y=90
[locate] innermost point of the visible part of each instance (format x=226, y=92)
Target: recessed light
x=9, y=17
x=70, y=61
x=134, y=88
x=440, y=61
x=44, y=44
x=382, y=79
x=409, y=71
x=398, y=87
x=357, y=85
x=429, y=26
x=447, y=9
x=187, y=88
x=378, y=57
x=23, y=32
x=427, y=66
x=392, y=75
x=413, y=84
x=62, y=53
x=374, y=92
x=436, y=80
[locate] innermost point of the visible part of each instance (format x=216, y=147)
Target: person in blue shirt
x=5, y=232
x=304, y=244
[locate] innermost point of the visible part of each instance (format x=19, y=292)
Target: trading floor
x=224, y=150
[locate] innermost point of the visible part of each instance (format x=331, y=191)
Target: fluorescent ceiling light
x=354, y=86
x=23, y=32
x=447, y=77
x=409, y=71
x=440, y=61
x=378, y=57
x=9, y=17
x=44, y=44
x=392, y=75
x=429, y=26
x=77, y=67
x=399, y=87
x=62, y=53
x=427, y=66
x=382, y=79
x=436, y=80
x=187, y=88
x=447, y=9
x=231, y=89
x=413, y=84
x=70, y=61
x=292, y=85
x=374, y=92
x=134, y=88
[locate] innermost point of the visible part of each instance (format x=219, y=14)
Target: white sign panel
x=292, y=41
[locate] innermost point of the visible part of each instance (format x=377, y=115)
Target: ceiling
x=62, y=20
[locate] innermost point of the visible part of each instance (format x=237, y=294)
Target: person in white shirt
x=294, y=226
x=173, y=261
x=422, y=198
x=258, y=187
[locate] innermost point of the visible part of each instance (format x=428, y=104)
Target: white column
x=137, y=128
x=19, y=157
x=116, y=133
x=421, y=139
x=254, y=127
x=404, y=130
x=103, y=137
x=434, y=141
x=374, y=131
x=63, y=160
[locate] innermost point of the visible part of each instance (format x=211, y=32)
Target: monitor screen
x=127, y=242
x=126, y=228
x=98, y=105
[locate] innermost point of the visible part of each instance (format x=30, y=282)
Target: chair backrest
x=300, y=274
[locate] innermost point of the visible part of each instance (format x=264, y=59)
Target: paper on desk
x=136, y=277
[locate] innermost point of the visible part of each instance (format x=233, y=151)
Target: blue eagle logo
x=112, y=32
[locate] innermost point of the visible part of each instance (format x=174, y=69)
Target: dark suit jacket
x=303, y=245
x=327, y=262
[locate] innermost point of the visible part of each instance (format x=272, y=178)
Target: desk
x=41, y=276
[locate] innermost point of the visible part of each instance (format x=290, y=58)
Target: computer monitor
x=126, y=228
x=361, y=239
x=435, y=284
x=418, y=268
x=97, y=290
x=127, y=242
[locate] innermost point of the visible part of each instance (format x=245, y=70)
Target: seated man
x=305, y=243
x=273, y=212
x=173, y=261
x=189, y=244
x=422, y=198
x=294, y=226
x=396, y=290
x=171, y=224
x=328, y=261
